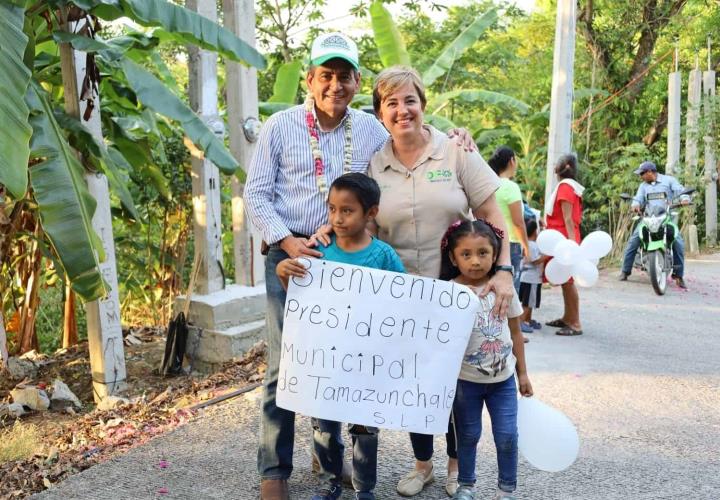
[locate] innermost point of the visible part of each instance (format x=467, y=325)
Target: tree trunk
x=27, y=336
x=3, y=336
x=3, y=344
x=658, y=127
x=70, y=333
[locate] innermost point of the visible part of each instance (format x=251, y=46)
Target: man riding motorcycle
x=653, y=183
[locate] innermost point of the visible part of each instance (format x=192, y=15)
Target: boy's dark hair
x=501, y=158
x=363, y=187
x=456, y=231
x=530, y=226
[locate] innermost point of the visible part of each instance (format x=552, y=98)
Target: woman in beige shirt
x=428, y=182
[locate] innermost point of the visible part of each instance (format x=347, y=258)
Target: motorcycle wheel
x=658, y=271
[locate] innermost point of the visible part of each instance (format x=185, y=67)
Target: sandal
x=566, y=331
x=556, y=323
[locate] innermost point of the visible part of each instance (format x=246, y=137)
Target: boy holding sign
x=352, y=202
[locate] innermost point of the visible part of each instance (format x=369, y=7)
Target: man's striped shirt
x=281, y=193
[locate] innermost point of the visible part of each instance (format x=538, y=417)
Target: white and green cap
x=332, y=45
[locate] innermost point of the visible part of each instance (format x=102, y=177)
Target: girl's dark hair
x=566, y=167
x=456, y=231
x=501, y=158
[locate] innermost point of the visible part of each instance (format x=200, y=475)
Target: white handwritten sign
x=373, y=347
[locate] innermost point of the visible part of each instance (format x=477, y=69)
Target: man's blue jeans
x=678, y=254
x=277, y=426
x=329, y=448
x=501, y=401
x=516, y=261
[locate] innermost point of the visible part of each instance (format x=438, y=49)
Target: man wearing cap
x=299, y=153
x=653, y=182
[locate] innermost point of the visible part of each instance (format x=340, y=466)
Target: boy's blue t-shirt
x=377, y=255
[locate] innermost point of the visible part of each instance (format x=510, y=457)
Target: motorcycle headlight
x=654, y=223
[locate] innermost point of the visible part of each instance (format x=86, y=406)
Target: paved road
x=642, y=385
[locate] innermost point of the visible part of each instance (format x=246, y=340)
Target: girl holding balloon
x=495, y=353
x=563, y=213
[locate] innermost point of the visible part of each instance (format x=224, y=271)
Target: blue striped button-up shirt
x=281, y=194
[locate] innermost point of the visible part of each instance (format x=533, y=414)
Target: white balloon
x=548, y=239
x=596, y=245
x=546, y=437
x=557, y=273
x=585, y=273
x=567, y=252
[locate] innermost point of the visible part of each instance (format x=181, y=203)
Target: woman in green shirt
x=509, y=198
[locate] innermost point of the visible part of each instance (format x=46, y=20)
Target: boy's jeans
x=329, y=448
x=501, y=400
x=277, y=426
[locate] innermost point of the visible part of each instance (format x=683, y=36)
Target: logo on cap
x=335, y=41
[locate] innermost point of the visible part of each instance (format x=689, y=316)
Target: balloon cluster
x=573, y=260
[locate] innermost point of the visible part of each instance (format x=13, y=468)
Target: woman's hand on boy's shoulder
x=321, y=236
x=524, y=385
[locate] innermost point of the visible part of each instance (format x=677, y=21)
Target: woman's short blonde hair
x=391, y=79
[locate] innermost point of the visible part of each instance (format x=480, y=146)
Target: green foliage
x=15, y=134
x=156, y=96
x=182, y=24
x=388, y=39
x=66, y=206
x=469, y=36
x=286, y=82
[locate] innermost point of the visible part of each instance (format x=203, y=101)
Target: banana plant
x=285, y=89
x=391, y=46
x=391, y=49
x=40, y=134
x=15, y=135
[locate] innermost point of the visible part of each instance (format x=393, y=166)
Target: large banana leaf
x=439, y=122
x=153, y=93
x=390, y=44
x=185, y=25
x=286, y=82
x=14, y=78
x=477, y=95
x=270, y=108
x=90, y=144
x=464, y=40
x=65, y=204
x=87, y=44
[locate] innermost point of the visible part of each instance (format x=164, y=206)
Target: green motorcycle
x=657, y=228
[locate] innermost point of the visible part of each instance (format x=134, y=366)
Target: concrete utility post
x=203, y=89
x=692, y=119
x=673, y=139
x=105, y=341
x=561, y=98
x=711, y=170
x=242, y=106
x=225, y=320
x=691, y=144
